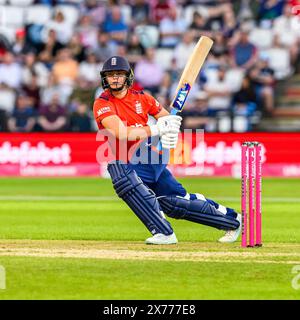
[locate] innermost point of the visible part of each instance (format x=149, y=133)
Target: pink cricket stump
x=244, y=193
x=251, y=194
x=258, y=181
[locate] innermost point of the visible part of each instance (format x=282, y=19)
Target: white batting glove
x=166, y=124
x=169, y=140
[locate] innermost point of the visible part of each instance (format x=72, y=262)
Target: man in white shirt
x=171, y=29
x=10, y=72
x=183, y=49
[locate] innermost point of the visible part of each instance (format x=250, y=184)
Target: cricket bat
x=189, y=74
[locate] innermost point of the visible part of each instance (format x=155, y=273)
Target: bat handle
x=173, y=112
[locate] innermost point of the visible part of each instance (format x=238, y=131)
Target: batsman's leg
x=177, y=203
x=142, y=201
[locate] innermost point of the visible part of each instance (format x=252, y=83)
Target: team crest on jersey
x=103, y=110
x=138, y=107
x=114, y=61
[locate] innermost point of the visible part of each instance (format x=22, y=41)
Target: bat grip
x=173, y=112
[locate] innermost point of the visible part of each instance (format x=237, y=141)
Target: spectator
x=287, y=30
x=135, y=50
x=52, y=117
x=148, y=73
x=32, y=91
x=116, y=27
x=196, y=117
x=51, y=44
x=159, y=10
x=62, y=28
x=76, y=48
x=89, y=71
x=140, y=11
x=87, y=32
x=23, y=117
x=10, y=72
x=80, y=120
x=28, y=68
x=105, y=47
x=244, y=53
x=171, y=29
x=184, y=48
x=220, y=48
x=65, y=72
x=95, y=9
x=219, y=90
x=199, y=25
x=20, y=46
x=245, y=102
x=263, y=78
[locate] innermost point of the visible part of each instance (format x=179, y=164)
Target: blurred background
x=51, y=53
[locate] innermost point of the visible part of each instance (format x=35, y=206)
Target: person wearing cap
x=138, y=168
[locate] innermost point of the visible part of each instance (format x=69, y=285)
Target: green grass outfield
x=74, y=239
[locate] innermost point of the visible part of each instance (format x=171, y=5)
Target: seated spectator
x=87, y=32
x=184, y=48
x=89, y=71
x=51, y=44
x=270, y=9
x=65, y=72
x=244, y=53
x=220, y=47
x=116, y=27
x=95, y=9
x=245, y=102
x=76, y=48
x=52, y=117
x=20, y=45
x=140, y=11
x=23, y=117
x=159, y=10
x=287, y=31
x=264, y=80
x=62, y=28
x=105, y=47
x=148, y=73
x=219, y=90
x=135, y=50
x=28, y=68
x=199, y=25
x=10, y=72
x=171, y=29
x=80, y=120
x=32, y=91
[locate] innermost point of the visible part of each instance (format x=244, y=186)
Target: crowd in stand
x=47, y=63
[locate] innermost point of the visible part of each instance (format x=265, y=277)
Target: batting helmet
x=116, y=63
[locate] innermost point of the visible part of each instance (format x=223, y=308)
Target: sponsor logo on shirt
x=103, y=110
x=138, y=107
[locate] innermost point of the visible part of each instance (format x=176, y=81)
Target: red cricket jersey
x=133, y=110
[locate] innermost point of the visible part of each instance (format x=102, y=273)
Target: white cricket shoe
x=160, y=238
x=232, y=235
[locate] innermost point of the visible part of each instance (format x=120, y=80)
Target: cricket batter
x=149, y=189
